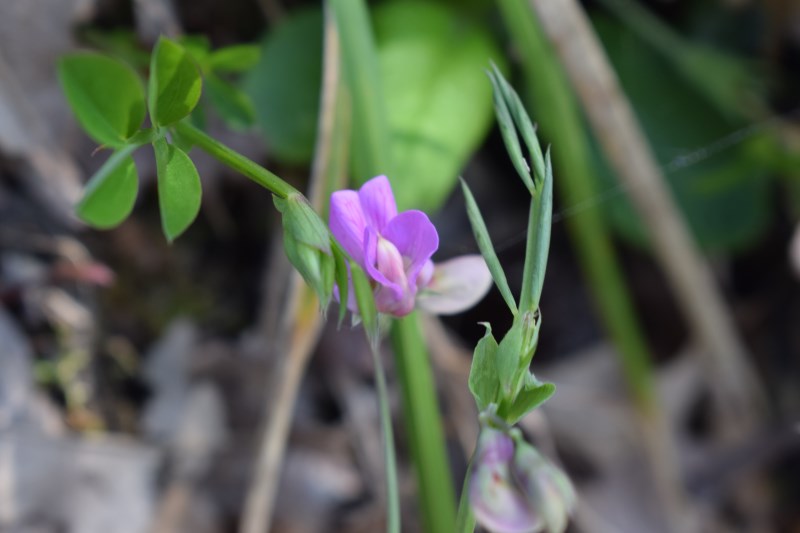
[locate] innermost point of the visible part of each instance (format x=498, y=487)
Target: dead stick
x=738, y=394
x=305, y=326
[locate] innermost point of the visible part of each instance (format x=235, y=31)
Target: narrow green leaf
x=237, y=58
x=366, y=303
x=175, y=83
x=487, y=249
x=508, y=131
x=509, y=354
x=106, y=96
x=111, y=193
x=523, y=123
x=532, y=395
x=233, y=105
x=537, y=247
x=342, y=276
x=483, y=378
x=179, y=189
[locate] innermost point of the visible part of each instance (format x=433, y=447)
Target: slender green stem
x=392, y=492
x=235, y=160
x=465, y=521
x=423, y=426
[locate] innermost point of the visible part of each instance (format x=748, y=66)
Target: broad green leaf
x=725, y=195
x=175, y=83
x=533, y=394
x=439, y=106
x=486, y=248
x=284, y=86
x=231, y=103
x=111, y=193
x=106, y=96
x=237, y=58
x=179, y=190
x=509, y=355
x=483, y=380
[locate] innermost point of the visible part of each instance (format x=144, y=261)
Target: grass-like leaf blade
x=487, y=249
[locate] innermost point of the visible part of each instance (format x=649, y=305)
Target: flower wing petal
x=416, y=239
x=377, y=202
x=457, y=285
x=347, y=223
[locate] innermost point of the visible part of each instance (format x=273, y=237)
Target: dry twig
x=304, y=324
x=738, y=394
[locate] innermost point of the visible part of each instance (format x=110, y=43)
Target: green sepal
x=483, y=377
x=307, y=244
x=175, y=83
x=105, y=94
x=179, y=188
x=533, y=394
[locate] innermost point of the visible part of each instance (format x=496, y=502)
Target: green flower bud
x=307, y=244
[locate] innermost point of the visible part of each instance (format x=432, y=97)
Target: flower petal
x=496, y=499
x=371, y=263
x=347, y=223
x=415, y=237
x=377, y=202
x=457, y=285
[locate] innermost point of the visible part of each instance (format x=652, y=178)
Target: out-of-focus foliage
x=284, y=86
x=438, y=101
x=725, y=196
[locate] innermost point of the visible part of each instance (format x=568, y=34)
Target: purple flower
x=514, y=489
x=395, y=251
